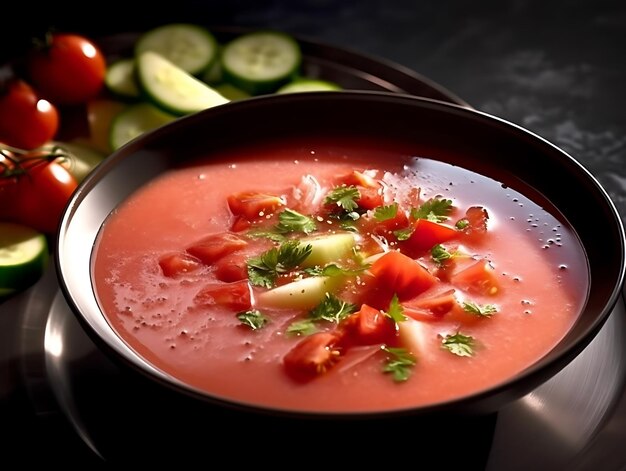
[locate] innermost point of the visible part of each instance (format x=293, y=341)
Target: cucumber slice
x=134, y=121
x=191, y=47
x=262, y=61
x=23, y=256
x=228, y=90
x=302, y=294
x=173, y=89
x=327, y=248
x=309, y=85
x=120, y=79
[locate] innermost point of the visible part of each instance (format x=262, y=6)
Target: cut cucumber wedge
x=173, y=89
x=23, y=256
x=262, y=61
x=120, y=79
x=328, y=248
x=136, y=120
x=302, y=294
x=309, y=85
x=191, y=47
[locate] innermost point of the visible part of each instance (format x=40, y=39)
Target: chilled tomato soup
x=331, y=275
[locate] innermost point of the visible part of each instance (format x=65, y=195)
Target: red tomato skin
x=426, y=235
x=478, y=278
x=397, y=273
x=70, y=70
x=312, y=356
x=253, y=205
x=177, y=264
x=231, y=268
x=26, y=121
x=235, y=296
x=368, y=326
x=215, y=246
x=38, y=198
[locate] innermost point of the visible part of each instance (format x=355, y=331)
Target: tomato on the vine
x=34, y=190
x=26, y=121
x=68, y=69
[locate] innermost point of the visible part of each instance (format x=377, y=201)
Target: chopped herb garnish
x=440, y=254
x=345, y=197
x=253, y=318
x=435, y=210
x=332, y=309
x=264, y=269
x=487, y=310
x=403, y=234
x=395, y=310
x=459, y=344
x=399, y=363
x=383, y=213
x=335, y=270
x=292, y=221
x=462, y=224
x=304, y=327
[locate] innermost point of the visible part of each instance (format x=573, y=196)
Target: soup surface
x=334, y=275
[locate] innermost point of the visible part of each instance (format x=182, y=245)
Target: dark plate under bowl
x=489, y=145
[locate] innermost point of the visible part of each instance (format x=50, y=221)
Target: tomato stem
x=18, y=157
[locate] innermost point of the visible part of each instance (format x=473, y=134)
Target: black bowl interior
x=489, y=145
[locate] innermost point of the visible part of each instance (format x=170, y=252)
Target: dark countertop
x=555, y=68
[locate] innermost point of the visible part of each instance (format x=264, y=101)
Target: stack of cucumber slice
x=180, y=68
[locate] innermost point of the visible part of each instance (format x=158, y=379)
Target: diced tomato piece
x=252, y=204
x=431, y=306
x=176, y=264
x=476, y=217
x=478, y=278
x=397, y=273
x=370, y=225
x=369, y=198
x=234, y=296
x=312, y=356
x=240, y=224
x=216, y=246
x=357, y=178
x=426, y=234
x=369, y=326
x=231, y=268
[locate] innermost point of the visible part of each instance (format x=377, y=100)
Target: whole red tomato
x=68, y=69
x=34, y=191
x=26, y=121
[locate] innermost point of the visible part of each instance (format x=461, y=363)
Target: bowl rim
x=97, y=327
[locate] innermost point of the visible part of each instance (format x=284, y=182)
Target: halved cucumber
x=120, y=79
x=302, y=294
x=173, y=89
x=134, y=121
x=191, y=47
x=262, y=61
x=328, y=248
x=309, y=85
x=23, y=256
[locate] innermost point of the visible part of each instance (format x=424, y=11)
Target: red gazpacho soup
x=333, y=275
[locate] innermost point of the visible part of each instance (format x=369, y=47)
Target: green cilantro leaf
x=435, y=210
x=303, y=327
x=344, y=196
x=462, y=224
x=459, y=344
x=264, y=269
x=332, y=309
x=253, y=318
x=487, y=310
x=404, y=234
x=292, y=221
x=395, y=310
x=383, y=213
x=399, y=363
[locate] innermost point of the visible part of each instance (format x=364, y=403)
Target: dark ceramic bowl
x=450, y=129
